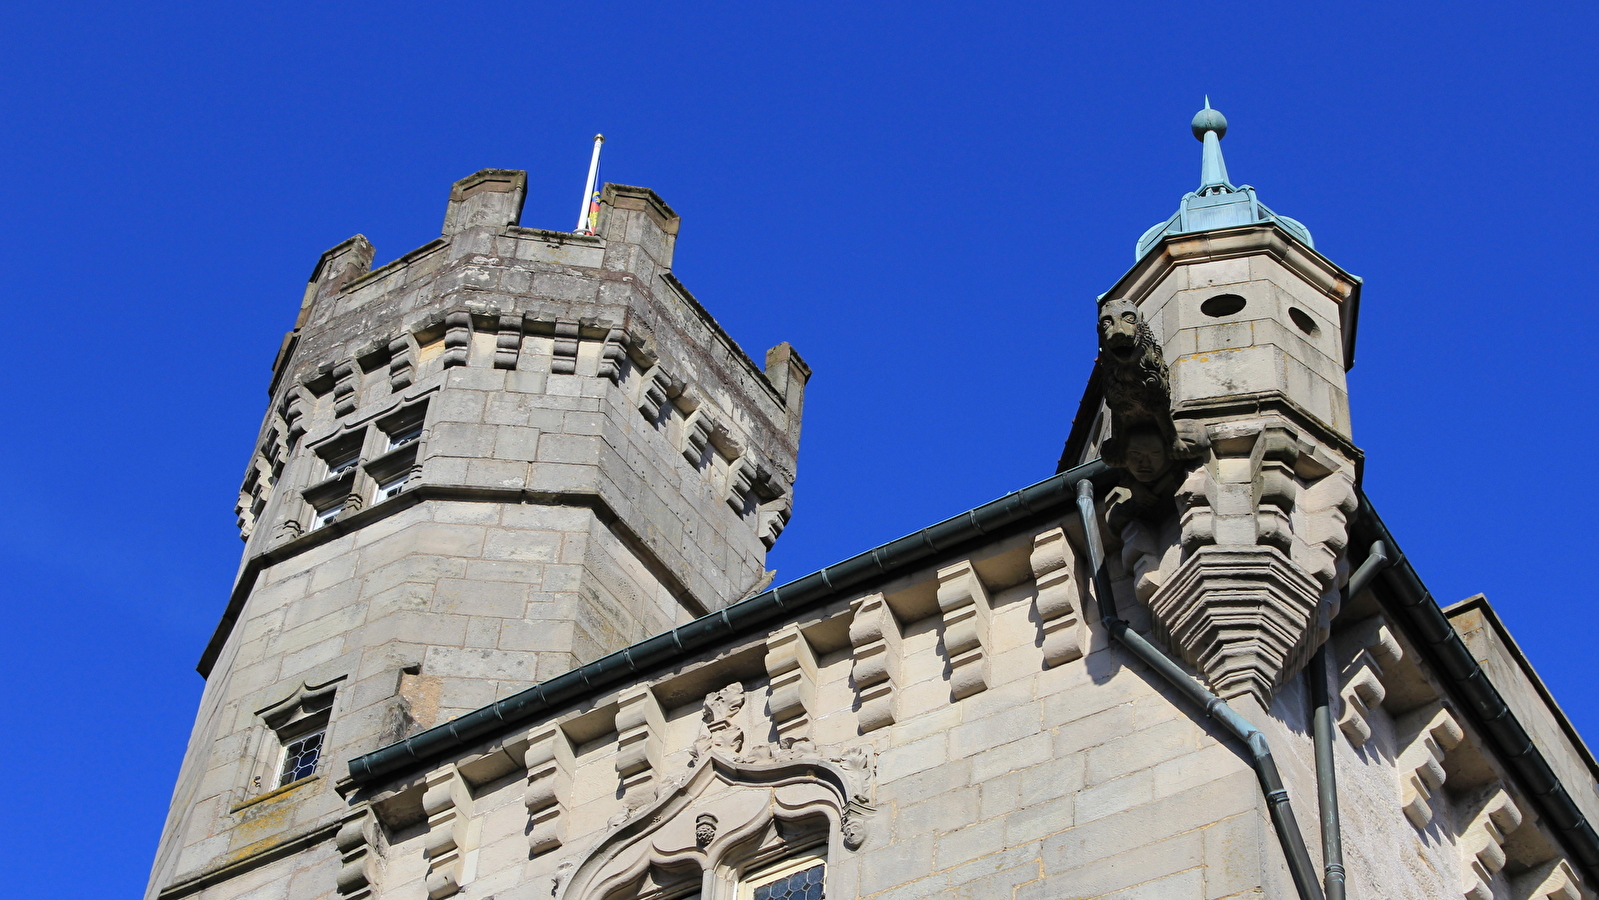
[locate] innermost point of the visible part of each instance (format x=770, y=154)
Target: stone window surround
x=305, y=711
x=382, y=454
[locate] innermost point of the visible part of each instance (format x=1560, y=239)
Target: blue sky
x=923, y=198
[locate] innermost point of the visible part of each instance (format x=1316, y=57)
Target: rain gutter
x=1424, y=621
x=744, y=617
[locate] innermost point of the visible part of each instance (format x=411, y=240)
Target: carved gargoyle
x=1138, y=390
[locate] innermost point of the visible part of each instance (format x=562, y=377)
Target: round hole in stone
x=1303, y=321
x=1222, y=305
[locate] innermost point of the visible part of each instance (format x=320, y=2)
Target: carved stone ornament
x=1142, y=437
x=724, y=813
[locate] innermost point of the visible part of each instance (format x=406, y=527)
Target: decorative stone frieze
x=964, y=602
x=1058, y=603
x=1360, y=687
x=791, y=671
x=563, y=355
x=640, y=725
x=508, y=342
x=1426, y=736
x=356, y=841
x=874, y=634
x=447, y=803
x=549, y=773
x=1491, y=816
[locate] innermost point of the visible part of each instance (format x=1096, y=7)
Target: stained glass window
x=806, y=884
x=299, y=758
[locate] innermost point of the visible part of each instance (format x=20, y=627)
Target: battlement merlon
x=619, y=277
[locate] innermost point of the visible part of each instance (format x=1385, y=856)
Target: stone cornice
x=253, y=566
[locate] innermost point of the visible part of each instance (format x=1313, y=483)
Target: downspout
x=1271, y=783
x=1321, y=724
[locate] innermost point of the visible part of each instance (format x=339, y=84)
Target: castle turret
x=504, y=454
x=1238, y=557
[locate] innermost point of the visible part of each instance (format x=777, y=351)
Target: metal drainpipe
x=1271, y=783
x=1332, y=846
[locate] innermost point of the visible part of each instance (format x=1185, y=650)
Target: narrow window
x=300, y=758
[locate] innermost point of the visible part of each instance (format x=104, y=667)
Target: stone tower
x=503, y=455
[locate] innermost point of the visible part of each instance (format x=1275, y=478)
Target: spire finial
x=1210, y=126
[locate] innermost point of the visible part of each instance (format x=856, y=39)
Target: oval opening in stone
x=1222, y=305
x=1303, y=321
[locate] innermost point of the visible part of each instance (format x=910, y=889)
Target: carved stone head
x=1146, y=454
x=1119, y=325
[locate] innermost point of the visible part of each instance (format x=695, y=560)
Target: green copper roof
x=1218, y=203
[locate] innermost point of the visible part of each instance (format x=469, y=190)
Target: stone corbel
x=549, y=777
x=640, y=726
x=346, y=386
x=563, y=356
x=875, y=636
x=1361, y=689
x=741, y=478
x=1425, y=737
x=508, y=342
x=1492, y=817
x=356, y=841
x=964, y=602
x=1552, y=880
x=791, y=670
x=653, y=393
x=447, y=803
x=295, y=407
x=457, y=339
x=697, y=430
x=1054, y=565
x=773, y=519
x=613, y=355
x=402, y=360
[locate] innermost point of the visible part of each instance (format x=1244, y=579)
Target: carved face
x=1118, y=329
x=1146, y=455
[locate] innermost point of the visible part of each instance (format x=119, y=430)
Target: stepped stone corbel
x=296, y=405
x=1494, y=815
x=697, y=430
x=964, y=602
x=773, y=519
x=457, y=338
x=640, y=726
x=613, y=354
x=1054, y=565
x=1552, y=880
x=401, y=363
x=1360, y=683
x=508, y=342
x=791, y=670
x=654, y=392
x=1426, y=737
x=549, y=777
x=356, y=841
x=563, y=356
x=447, y=802
x=875, y=636
x=346, y=387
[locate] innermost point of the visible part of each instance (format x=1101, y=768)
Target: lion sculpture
x=1137, y=388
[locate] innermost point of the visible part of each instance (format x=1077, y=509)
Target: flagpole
x=588, y=187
